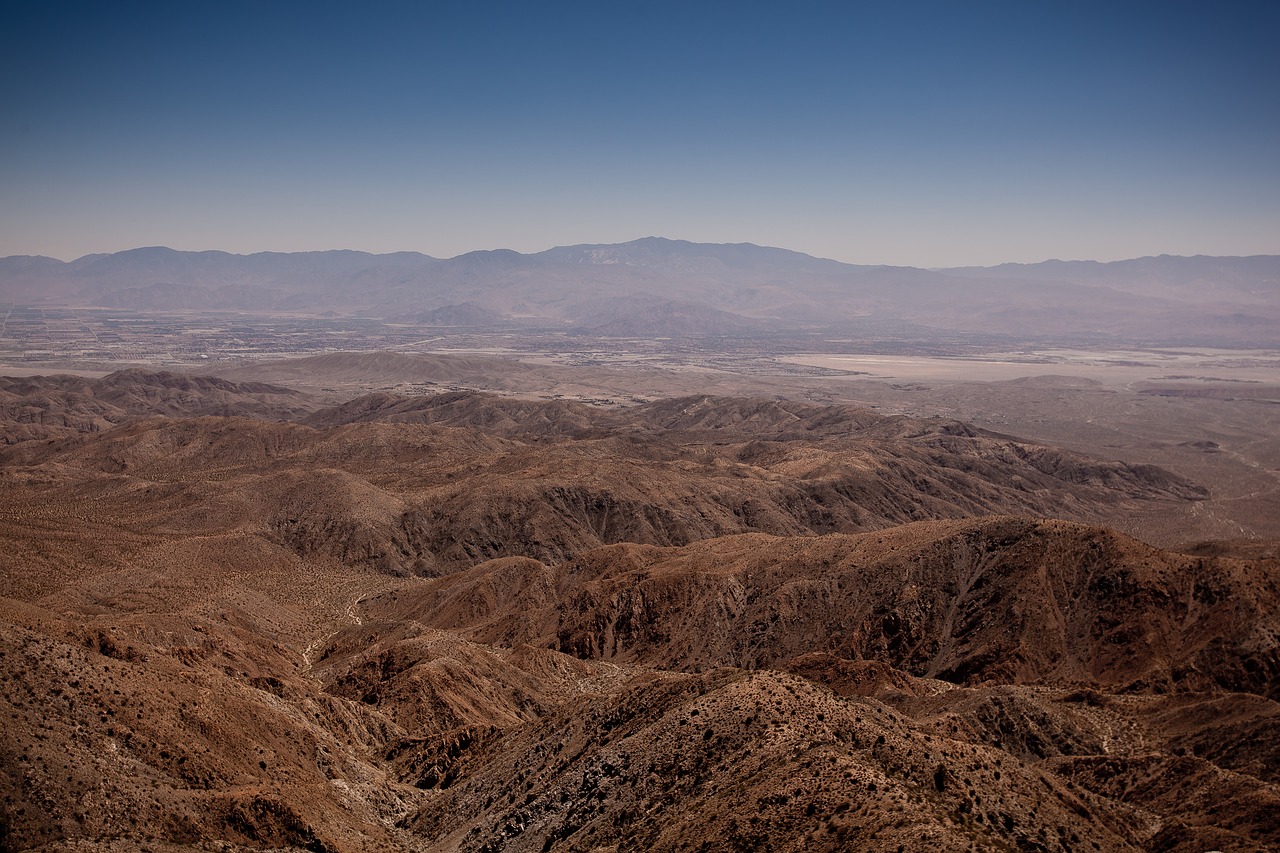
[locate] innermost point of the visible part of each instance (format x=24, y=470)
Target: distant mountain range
x=674, y=288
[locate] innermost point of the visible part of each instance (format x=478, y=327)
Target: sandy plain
x=1112, y=367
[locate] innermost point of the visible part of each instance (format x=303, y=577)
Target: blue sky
x=922, y=133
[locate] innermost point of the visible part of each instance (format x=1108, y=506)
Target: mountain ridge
x=641, y=242
x=241, y=617
x=1164, y=298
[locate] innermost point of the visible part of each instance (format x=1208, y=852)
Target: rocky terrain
x=237, y=616
x=429, y=485
x=61, y=404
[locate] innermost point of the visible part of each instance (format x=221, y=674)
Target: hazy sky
x=922, y=133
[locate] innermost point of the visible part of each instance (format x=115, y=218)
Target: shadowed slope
x=1007, y=600
x=426, y=498
x=208, y=637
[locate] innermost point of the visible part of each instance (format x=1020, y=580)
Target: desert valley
x=647, y=546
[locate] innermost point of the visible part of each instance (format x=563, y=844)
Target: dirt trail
x=351, y=617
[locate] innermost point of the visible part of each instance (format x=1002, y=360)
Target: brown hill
x=495, y=415
x=209, y=701
x=210, y=637
x=47, y=406
x=424, y=498
x=1108, y=750
x=182, y=729
x=1004, y=600
x=737, y=761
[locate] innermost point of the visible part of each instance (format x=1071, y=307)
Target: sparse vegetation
x=260, y=632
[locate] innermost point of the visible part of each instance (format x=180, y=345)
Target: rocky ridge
x=476, y=623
